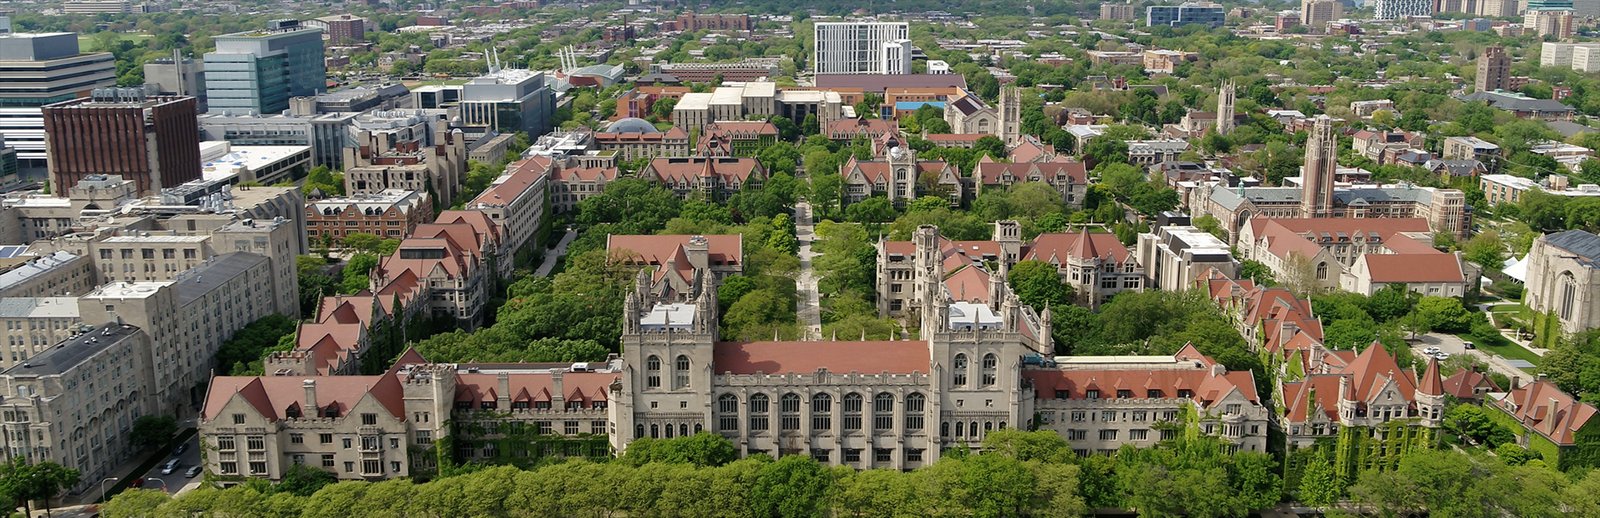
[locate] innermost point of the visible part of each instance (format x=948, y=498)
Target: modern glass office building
x=256, y=72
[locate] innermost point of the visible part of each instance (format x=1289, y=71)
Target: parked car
x=183, y=447
x=1431, y=350
x=193, y=471
x=169, y=467
x=1469, y=345
x=1442, y=356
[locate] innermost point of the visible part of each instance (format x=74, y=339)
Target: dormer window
x=1124, y=394
x=1092, y=394
x=1185, y=393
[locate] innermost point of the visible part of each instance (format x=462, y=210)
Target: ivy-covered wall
x=522, y=446
x=1358, y=448
x=1585, y=453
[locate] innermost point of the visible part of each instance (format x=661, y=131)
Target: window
x=255, y=443
x=821, y=412
x=225, y=443
x=230, y=468
x=1078, y=416
x=883, y=412
x=852, y=455
x=1322, y=271
x=728, y=413
x=372, y=466
x=326, y=438
x=238, y=418
x=758, y=413
x=258, y=467
x=1109, y=416
x=914, y=411
x=1108, y=435
x=297, y=438
x=369, y=419
x=989, y=365
x=960, y=370
x=914, y=455
x=346, y=443
x=327, y=460
x=853, y=403
x=1077, y=435
x=297, y=459
x=789, y=412
x=822, y=456
x=680, y=372
x=652, y=370
x=1138, y=435
x=883, y=454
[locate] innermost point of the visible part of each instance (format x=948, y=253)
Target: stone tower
x=1010, y=115
x=1322, y=153
x=1225, y=96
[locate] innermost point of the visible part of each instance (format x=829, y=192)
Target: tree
x=876, y=209
x=1319, y=482
x=151, y=432
x=1300, y=275
x=1443, y=314
x=1103, y=149
x=135, y=503
x=361, y=242
x=1486, y=250
x=702, y=450
x=1256, y=271
x=792, y=487
x=355, y=275
x=303, y=480
x=39, y=481
x=1472, y=422
x=1039, y=285
x=991, y=146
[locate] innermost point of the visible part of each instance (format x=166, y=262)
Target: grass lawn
x=86, y=42
x=1508, y=350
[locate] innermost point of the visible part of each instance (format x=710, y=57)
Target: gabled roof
x=1465, y=382
x=1058, y=248
x=1408, y=268
x=990, y=172
x=1542, y=407
x=273, y=395
x=688, y=170
x=519, y=177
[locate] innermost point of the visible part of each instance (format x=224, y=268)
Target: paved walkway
x=806, y=284
x=552, y=257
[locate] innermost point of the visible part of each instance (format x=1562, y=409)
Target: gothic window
x=915, y=402
x=759, y=412
x=1322, y=271
x=960, y=370
x=789, y=410
x=821, y=412
x=652, y=370
x=852, y=412
x=883, y=412
x=680, y=372
x=989, y=366
x=728, y=413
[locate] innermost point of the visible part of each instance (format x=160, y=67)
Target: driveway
x=1454, y=345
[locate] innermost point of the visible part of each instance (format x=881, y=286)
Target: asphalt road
x=1453, y=345
x=175, y=482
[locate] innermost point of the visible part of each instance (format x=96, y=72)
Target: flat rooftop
x=39, y=307
x=73, y=352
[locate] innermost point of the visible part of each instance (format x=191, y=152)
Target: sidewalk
x=554, y=256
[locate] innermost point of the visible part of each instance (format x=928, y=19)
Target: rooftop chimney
x=311, y=397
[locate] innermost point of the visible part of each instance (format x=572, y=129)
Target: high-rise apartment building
x=342, y=29
x=1185, y=14
x=1115, y=11
x=1393, y=9
x=39, y=69
x=1315, y=14
x=862, y=48
x=1546, y=23
x=1494, y=70
x=152, y=140
x=258, y=71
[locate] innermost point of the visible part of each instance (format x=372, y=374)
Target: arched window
x=961, y=429
x=1322, y=271
x=821, y=413
x=683, y=429
x=959, y=369
x=972, y=427
x=759, y=412
x=789, y=412
x=680, y=372
x=915, y=402
x=655, y=431
x=728, y=413
x=638, y=431
x=944, y=429
x=883, y=412
x=989, y=367
x=852, y=412
x=1569, y=296
x=652, y=372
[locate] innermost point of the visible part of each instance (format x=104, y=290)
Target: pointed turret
x=1084, y=248
x=1431, y=384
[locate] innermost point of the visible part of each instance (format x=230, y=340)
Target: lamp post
x=164, y=486
x=103, y=487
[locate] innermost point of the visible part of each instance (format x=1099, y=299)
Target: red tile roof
x=587, y=387
x=659, y=249
x=1464, y=384
x=797, y=357
x=1542, y=407
x=523, y=174
x=997, y=173
x=585, y=174
x=272, y=396
x=1208, y=387
x=1396, y=268
x=688, y=170
x=1057, y=248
